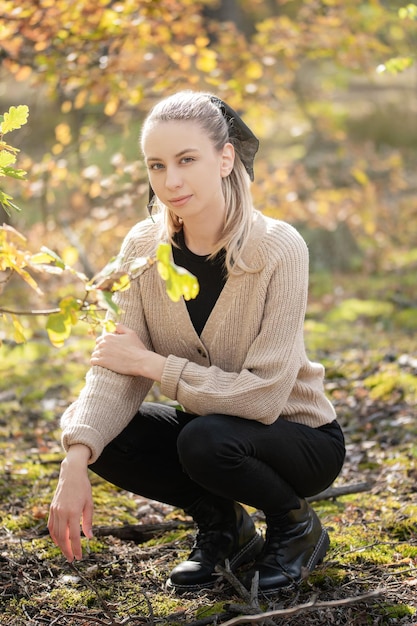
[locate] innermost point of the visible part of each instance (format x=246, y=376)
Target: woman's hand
x=123, y=352
x=72, y=502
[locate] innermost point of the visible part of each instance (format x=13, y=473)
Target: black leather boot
x=225, y=531
x=295, y=544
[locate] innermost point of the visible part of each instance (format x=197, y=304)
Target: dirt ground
x=368, y=578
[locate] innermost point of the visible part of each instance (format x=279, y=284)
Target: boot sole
x=316, y=558
x=248, y=553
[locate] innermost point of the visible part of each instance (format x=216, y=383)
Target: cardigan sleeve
x=275, y=362
x=109, y=400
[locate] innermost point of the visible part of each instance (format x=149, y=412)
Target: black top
x=211, y=276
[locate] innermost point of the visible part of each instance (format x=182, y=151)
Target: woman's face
x=185, y=170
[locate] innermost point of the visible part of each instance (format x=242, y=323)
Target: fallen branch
x=140, y=533
x=251, y=619
x=343, y=490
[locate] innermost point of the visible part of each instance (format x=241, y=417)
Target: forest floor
x=369, y=576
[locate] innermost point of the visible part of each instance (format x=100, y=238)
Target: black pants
x=171, y=456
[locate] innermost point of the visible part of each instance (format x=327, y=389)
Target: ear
x=227, y=160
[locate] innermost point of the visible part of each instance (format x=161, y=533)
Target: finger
x=51, y=527
x=87, y=523
x=121, y=329
x=94, y=358
x=73, y=542
x=59, y=535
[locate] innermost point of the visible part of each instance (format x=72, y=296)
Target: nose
x=173, y=178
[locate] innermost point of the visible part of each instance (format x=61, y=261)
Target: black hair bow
x=246, y=144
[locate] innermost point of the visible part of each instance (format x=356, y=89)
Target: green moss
x=177, y=535
x=397, y=611
x=213, y=609
x=327, y=575
x=404, y=529
x=69, y=597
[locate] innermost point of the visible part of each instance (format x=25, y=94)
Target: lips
x=180, y=201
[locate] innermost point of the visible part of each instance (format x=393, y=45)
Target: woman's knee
x=200, y=442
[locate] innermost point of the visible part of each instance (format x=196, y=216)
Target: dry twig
x=313, y=605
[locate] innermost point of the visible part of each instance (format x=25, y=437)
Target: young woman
x=256, y=428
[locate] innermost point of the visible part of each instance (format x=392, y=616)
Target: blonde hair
x=198, y=107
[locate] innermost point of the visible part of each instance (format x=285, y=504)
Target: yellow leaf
x=70, y=255
x=360, y=176
x=80, y=99
x=111, y=106
x=95, y=190
x=121, y=284
x=66, y=106
x=23, y=73
x=14, y=118
x=63, y=134
x=6, y=158
x=254, y=70
x=109, y=326
x=178, y=281
x=206, y=60
x=19, y=334
x=27, y=278
x=40, y=258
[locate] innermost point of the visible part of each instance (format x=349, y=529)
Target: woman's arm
x=124, y=352
x=72, y=502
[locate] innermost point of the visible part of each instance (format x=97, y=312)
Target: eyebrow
x=179, y=154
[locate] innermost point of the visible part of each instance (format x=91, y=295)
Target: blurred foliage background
x=329, y=86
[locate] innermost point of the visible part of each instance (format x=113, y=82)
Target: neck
x=201, y=238
x=198, y=243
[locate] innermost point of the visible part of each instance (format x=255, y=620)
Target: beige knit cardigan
x=249, y=361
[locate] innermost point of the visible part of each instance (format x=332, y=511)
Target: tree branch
x=252, y=619
x=343, y=490
x=30, y=312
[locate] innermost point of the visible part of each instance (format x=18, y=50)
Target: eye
x=187, y=159
x=155, y=166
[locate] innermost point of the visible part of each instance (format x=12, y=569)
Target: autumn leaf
x=59, y=325
x=178, y=281
x=6, y=159
x=14, y=118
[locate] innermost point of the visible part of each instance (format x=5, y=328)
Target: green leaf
x=13, y=173
x=15, y=118
x=178, y=281
x=56, y=258
x=105, y=299
x=396, y=65
x=6, y=159
x=6, y=202
x=58, y=327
